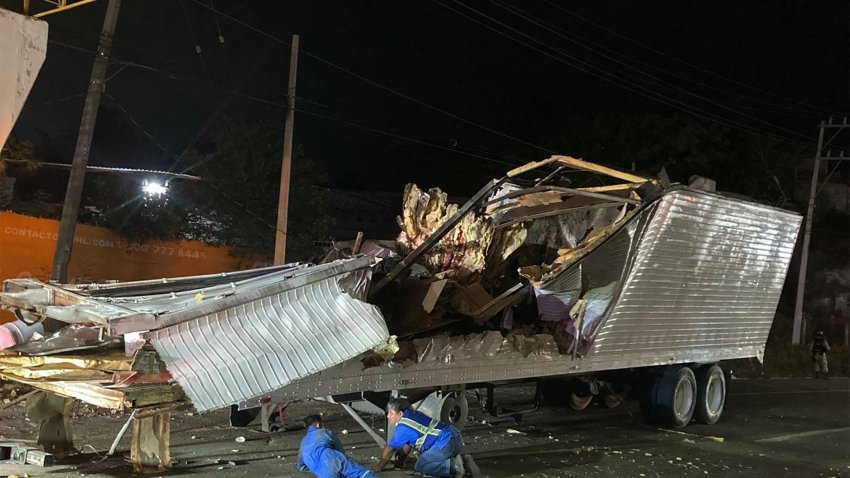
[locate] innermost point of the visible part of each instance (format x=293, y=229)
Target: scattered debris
x=240, y=440
x=512, y=431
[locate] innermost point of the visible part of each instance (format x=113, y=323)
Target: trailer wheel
x=579, y=402
x=455, y=410
x=646, y=397
x=613, y=400
x=711, y=394
x=676, y=396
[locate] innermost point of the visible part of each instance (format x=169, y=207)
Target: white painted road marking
x=791, y=436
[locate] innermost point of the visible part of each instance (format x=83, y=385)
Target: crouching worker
x=321, y=453
x=437, y=443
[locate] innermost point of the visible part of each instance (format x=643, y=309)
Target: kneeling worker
x=437, y=443
x=321, y=453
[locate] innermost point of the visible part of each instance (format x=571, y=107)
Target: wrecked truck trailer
x=651, y=299
x=640, y=285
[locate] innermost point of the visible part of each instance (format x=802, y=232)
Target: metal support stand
x=380, y=441
x=52, y=414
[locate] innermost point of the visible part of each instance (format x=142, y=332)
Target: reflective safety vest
x=431, y=429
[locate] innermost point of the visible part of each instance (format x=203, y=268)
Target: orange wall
x=27, y=245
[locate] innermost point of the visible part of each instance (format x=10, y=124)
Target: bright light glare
x=154, y=189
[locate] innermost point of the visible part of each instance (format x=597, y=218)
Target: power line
x=405, y=138
x=373, y=82
x=679, y=60
x=595, y=47
x=612, y=78
x=618, y=81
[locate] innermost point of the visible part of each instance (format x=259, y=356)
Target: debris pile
x=541, y=272
x=488, y=278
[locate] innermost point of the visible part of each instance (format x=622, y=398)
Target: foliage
x=241, y=171
x=18, y=151
x=749, y=164
x=117, y=203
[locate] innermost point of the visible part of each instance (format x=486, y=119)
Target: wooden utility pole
x=73, y=194
x=286, y=166
x=799, y=327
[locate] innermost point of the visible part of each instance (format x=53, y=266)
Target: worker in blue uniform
x=321, y=453
x=438, y=444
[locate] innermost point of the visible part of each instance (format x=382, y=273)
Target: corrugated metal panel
x=253, y=348
x=708, y=273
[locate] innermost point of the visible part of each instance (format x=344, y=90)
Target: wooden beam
x=612, y=187
x=531, y=166
x=596, y=168
x=149, y=446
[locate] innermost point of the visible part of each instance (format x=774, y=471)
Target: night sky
x=461, y=89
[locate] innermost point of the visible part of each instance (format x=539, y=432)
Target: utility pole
x=73, y=194
x=286, y=167
x=807, y=233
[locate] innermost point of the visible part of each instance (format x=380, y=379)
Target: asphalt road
x=774, y=428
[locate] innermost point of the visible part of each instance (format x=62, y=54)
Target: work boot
x=457, y=467
x=470, y=466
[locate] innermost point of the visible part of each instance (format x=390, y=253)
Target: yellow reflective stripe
x=430, y=430
x=414, y=425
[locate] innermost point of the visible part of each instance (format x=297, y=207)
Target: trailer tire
x=613, y=400
x=455, y=410
x=646, y=397
x=676, y=396
x=711, y=394
x=579, y=402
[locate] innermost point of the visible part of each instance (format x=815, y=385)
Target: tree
x=240, y=167
x=18, y=152
x=749, y=164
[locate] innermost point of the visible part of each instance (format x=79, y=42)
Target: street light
x=154, y=189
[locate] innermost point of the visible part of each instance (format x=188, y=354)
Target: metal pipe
x=121, y=434
x=380, y=441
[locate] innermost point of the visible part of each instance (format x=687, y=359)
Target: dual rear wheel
x=680, y=394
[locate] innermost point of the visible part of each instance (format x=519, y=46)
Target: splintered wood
x=462, y=252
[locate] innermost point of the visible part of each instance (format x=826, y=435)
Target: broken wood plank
x=89, y=392
x=150, y=445
x=537, y=190
x=149, y=395
x=531, y=166
x=576, y=163
x=434, y=238
x=505, y=299
x=358, y=241
x=612, y=187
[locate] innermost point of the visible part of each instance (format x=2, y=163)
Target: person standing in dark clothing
x=820, y=346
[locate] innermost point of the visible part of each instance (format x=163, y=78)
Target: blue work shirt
x=321, y=453
x=406, y=434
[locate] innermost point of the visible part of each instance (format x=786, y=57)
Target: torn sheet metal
x=693, y=270
x=253, y=347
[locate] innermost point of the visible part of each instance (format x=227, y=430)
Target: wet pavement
x=776, y=428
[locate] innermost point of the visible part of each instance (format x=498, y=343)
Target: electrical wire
x=679, y=60
x=405, y=138
x=595, y=49
x=372, y=82
x=612, y=78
